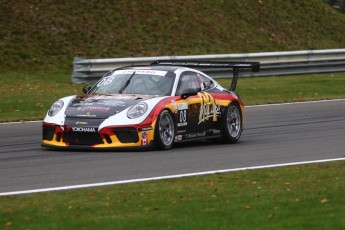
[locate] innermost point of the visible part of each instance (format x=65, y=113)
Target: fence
x=272, y=63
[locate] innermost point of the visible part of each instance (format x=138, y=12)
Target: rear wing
x=235, y=66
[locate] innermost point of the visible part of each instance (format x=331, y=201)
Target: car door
x=192, y=120
x=210, y=111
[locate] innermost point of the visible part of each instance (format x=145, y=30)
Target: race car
x=154, y=105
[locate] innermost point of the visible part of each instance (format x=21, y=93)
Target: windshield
x=136, y=81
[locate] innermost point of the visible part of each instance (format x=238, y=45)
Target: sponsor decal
x=181, y=131
x=94, y=109
x=144, y=142
x=85, y=115
x=113, y=103
x=179, y=137
x=182, y=106
x=81, y=123
x=216, y=131
x=84, y=129
x=142, y=71
x=145, y=128
x=209, y=108
x=195, y=135
x=144, y=138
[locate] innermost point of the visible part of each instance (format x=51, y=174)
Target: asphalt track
x=274, y=134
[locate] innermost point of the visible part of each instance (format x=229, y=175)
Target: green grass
x=299, y=88
x=27, y=96
x=296, y=197
x=49, y=34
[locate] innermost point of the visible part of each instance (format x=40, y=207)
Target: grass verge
x=295, y=197
x=27, y=96
x=35, y=33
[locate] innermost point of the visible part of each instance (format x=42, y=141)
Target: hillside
x=48, y=34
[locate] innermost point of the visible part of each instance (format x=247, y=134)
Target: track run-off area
x=274, y=135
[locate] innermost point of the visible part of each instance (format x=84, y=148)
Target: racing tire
x=232, y=124
x=165, y=130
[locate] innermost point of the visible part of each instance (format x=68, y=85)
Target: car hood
x=101, y=106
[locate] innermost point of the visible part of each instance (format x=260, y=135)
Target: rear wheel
x=165, y=130
x=232, y=123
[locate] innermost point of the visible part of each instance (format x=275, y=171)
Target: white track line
x=295, y=103
x=163, y=177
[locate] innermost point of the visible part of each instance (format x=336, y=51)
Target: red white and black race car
x=153, y=105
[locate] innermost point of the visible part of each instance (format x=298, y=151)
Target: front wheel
x=232, y=123
x=165, y=130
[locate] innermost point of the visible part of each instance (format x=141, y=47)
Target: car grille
x=127, y=135
x=48, y=133
x=79, y=138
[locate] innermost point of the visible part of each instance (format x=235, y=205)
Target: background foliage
x=49, y=34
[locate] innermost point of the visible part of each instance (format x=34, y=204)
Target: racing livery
x=148, y=106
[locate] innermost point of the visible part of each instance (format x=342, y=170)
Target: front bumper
x=65, y=137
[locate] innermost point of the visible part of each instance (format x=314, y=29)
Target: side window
x=206, y=82
x=188, y=80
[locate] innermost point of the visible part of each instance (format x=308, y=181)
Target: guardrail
x=338, y=4
x=272, y=63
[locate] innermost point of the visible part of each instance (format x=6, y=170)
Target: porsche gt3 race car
x=155, y=105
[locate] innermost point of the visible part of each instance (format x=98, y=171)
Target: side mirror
x=189, y=92
x=86, y=88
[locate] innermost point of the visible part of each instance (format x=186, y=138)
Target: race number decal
x=106, y=81
x=183, y=118
x=182, y=113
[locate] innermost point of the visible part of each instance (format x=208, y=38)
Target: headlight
x=55, y=108
x=137, y=110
